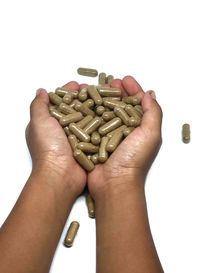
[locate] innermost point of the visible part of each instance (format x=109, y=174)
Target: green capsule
x=108, y=115
x=55, y=99
x=133, y=100
x=89, y=72
x=100, y=110
x=82, y=96
x=103, y=154
x=110, y=126
x=66, y=109
x=95, y=158
x=186, y=133
x=109, y=79
x=114, y=141
x=109, y=91
x=131, y=111
x=134, y=121
x=102, y=78
x=82, y=123
x=79, y=133
x=82, y=159
x=119, y=129
x=92, y=125
x=88, y=147
x=121, y=113
x=95, y=138
x=139, y=110
x=112, y=104
x=66, y=120
x=94, y=94
x=68, y=98
x=56, y=114
x=73, y=141
x=86, y=110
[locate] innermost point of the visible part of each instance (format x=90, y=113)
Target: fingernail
x=153, y=94
x=39, y=91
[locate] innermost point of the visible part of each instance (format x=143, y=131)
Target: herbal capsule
x=55, y=99
x=109, y=91
x=113, y=103
x=95, y=138
x=110, y=126
x=88, y=103
x=92, y=125
x=99, y=110
x=87, y=147
x=71, y=234
x=73, y=103
x=108, y=115
x=121, y=113
x=75, y=93
x=103, y=154
x=82, y=123
x=89, y=72
x=61, y=92
x=53, y=107
x=79, y=133
x=66, y=109
x=111, y=98
x=73, y=141
x=95, y=158
x=186, y=133
x=68, y=98
x=90, y=206
x=82, y=96
x=114, y=141
x=102, y=78
x=134, y=121
x=56, y=114
x=127, y=131
x=86, y=110
x=77, y=105
x=131, y=111
x=133, y=100
x=94, y=94
x=139, y=110
x=119, y=129
x=67, y=131
x=66, y=120
x=109, y=79
x=82, y=159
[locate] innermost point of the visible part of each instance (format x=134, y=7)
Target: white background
x=42, y=43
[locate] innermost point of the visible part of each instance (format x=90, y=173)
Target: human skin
x=123, y=235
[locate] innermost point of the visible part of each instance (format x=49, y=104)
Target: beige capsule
x=95, y=138
x=95, y=158
x=139, y=110
x=94, y=94
x=134, y=121
x=133, y=100
x=53, y=107
x=71, y=233
x=111, y=98
x=79, y=133
x=82, y=159
x=108, y=115
x=73, y=141
x=66, y=109
x=67, y=131
x=75, y=93
x=68, y=98
x=90, y=206
x=82, y=123
x=56, y=114
x=89, y=103
x=66, y=120
x=100, y=110
x=109, y=91
x=103, y=154
x=127, y=131
x=86, y=110
x=78, y=105
x=88, y=147
x=73, y=103
x=119, y=129
x=102, y=78
x=131, y=111
x=109, y=79
x=82, y=96
x=89, y=72
x=121, y=113
x=110, y=126
x=114, y=141
x=186, y=133
x=92, y=125
x=55, y=99
x=113, y=103
x=61, y=91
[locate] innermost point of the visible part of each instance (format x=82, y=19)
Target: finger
x=117, y=83
x=73, y=85
x=131, y=86
x=39, y=108
x=152, y=118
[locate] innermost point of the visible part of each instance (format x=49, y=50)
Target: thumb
x=39, y=106
x=152, y=118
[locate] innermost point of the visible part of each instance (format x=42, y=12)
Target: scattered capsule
x=133, y=100
x=114, y=141
x=86, y=110
x=95, y=138
x=110, y=126
x=113, y=103
x=79, y=133
x=82, y=159
x=66, y=109
x=94, y=94
x=100, y=110
x=186, y=133
x=108, y=115
x=109, y=79
x=66, y=120
x=71, y=233
x=92, y=125
x=89, y=72
x=102, y=78
x=121, y=113
x=82, y=123
x=68, y=98
x=90, y=206
x=103, y=154
x=82, y=96
x=56, y=114
x=119, y=129
x=131, y=111
x=73, y=141
x=109, y=91
x=87, y=147
x=95, y=158
x=55, y=99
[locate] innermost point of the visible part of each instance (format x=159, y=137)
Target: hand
x=48, y=145
x=134, y=156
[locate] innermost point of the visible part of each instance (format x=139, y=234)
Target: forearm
x=31, y=232
x=124, y=241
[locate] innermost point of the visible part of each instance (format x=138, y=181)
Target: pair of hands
x=129, y=163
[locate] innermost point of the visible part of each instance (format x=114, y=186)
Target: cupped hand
x=48, y=143
x=132, y=159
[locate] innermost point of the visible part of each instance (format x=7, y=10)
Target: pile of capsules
x=95, y=119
